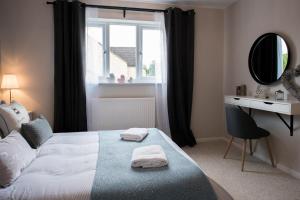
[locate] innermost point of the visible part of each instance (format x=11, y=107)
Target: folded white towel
x=149, y=157
x=134, y=134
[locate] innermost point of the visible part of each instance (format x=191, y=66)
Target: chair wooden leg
x=228, y=147
x=250, y=146
x=255, y=145
x=270, y=152
x=244, y=154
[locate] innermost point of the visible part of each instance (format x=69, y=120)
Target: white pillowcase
x=13, y=116
x=15, y=155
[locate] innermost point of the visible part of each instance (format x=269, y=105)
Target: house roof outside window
x=128, y=54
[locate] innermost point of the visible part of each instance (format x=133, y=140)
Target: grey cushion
x=37, y=132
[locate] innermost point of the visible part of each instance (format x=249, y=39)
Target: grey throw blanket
x=116, y=180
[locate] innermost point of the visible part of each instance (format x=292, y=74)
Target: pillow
x=12, y=117
x=15, y=155
x=1, y=121
x=37, y=132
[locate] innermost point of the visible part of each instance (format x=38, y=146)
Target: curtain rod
x=119, y=8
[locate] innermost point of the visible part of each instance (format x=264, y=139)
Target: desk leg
x=291, y=125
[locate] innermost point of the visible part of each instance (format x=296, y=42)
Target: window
x=123, y=51
x=95, y=52
x=150, y=52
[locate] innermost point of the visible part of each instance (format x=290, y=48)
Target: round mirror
x=269, y=58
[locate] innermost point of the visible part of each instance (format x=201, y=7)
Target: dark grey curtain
x=180, y=47
x=69, y=86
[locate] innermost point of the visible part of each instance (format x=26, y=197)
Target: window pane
x=122, y=55
x=151, y=52
x=95, y=64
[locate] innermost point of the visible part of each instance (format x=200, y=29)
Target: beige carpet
x=259, y=181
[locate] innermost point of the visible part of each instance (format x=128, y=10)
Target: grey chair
x=241, y=125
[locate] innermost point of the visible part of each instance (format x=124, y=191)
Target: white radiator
x=122, y=113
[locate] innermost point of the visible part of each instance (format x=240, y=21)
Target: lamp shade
x=9, y=81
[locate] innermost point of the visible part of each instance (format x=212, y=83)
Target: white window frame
x=140, y=26
x=102, y=25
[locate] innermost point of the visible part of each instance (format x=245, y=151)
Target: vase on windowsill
x=121, y=80
x=111, y=78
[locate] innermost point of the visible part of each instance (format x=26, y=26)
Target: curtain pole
x=119, y=8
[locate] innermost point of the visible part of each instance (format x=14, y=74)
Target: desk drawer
x=271, y=106
x=237, y=101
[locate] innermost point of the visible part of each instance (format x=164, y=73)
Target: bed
x=96, y=165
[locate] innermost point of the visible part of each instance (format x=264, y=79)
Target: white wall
x=244, y=22
x=26, y=30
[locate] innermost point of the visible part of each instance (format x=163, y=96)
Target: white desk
x=287, y=107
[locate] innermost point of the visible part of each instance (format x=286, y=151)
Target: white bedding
x=64, y=169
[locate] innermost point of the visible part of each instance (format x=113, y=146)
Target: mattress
x=65, y=168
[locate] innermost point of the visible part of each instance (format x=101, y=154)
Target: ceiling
x=208, y=3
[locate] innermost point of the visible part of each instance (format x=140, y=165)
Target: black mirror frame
x=254, y=76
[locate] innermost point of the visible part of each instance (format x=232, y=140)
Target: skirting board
x=210, y=139
x=282, y=167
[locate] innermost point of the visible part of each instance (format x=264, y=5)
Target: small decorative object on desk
x=261, y=92
x=241, y=90
x=279, y=95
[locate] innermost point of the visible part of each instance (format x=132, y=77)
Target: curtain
x=92, y=71
x=180, y=59
x=162, y=119
x=69, y=86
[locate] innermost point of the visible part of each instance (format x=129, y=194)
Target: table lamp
x=9, y=81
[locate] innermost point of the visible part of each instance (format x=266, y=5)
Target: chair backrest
x=239, y=123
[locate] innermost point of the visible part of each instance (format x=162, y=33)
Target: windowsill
x=127, y=84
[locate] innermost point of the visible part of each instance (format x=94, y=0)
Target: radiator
x=122, y=113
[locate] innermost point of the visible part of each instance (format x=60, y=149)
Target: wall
x=207, y=110
x=244, y=22
x=27, y=50
x=26, y=30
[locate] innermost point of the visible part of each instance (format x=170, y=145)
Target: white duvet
x=65, y=168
